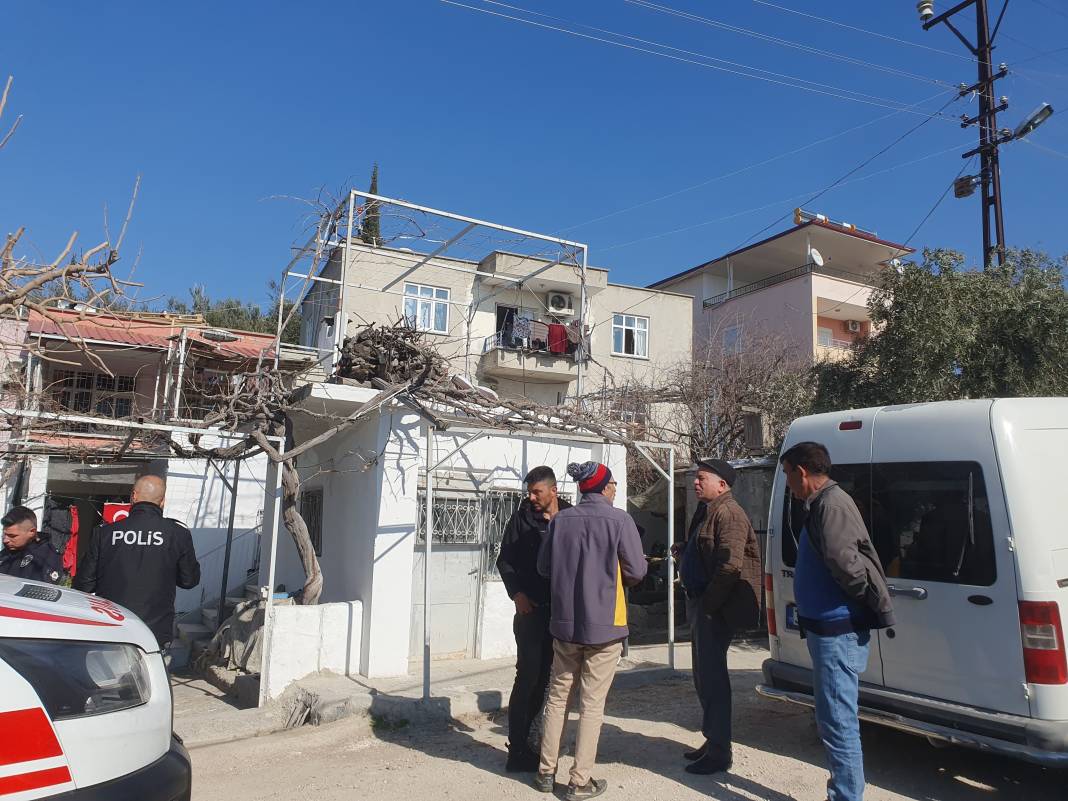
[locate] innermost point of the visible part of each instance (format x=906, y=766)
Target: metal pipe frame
x=670, y=476
x=268, y=610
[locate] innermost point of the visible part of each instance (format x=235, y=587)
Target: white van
x=967, y=504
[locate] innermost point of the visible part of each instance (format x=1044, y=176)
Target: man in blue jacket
x=841, y=595
x=592, y=551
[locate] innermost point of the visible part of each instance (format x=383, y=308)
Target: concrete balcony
x=522, y=364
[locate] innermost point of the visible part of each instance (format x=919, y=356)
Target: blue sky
x=228, y=110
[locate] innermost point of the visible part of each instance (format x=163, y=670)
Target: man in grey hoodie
x=591, y=552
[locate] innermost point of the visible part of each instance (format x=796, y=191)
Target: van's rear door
x=939, y=522
x=848, y=437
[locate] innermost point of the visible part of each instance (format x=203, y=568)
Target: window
x=630, y=335
x=84, y=392
x=732, y=340
x=426, y=308
x=824, y=337
x=855, y=479
x=932, y=521
x=311, y=509
x=929, y=521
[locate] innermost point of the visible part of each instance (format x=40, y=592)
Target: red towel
x=557, y=338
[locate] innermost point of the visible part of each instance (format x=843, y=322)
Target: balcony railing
x=789, y=275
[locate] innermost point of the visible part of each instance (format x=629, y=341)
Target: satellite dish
x=816, y=257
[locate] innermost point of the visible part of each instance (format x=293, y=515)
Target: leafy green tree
x=239, y=315
x=943, y=332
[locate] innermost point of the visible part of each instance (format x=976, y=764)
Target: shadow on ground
x=897, y=762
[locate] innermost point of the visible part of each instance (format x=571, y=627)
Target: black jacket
x=38, y=561
x=518, y=560
x=138, y=562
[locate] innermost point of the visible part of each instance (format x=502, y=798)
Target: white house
x=363, y=493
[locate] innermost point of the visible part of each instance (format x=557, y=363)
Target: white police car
x=85, y=701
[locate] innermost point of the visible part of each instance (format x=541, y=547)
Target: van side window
x=855, y=479
x=932, y=522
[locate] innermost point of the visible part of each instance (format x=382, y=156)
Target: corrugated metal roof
x=146, y=333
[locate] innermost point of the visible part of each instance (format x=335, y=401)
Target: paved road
x=777, y=757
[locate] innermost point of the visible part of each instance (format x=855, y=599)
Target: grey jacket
x=838, y=534
x=590, y=553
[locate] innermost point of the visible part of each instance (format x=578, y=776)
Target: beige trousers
x=594, y=666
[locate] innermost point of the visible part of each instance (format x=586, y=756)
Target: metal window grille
x=457, y=520
x=474, y=519
x=311, y=509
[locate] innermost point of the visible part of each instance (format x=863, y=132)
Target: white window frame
x=732, y=340
x=820, y=330
x=623, y=323
x=115, y=401
x=429, y=298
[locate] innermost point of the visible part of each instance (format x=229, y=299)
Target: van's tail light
x=769, y=599
x=1043, y=642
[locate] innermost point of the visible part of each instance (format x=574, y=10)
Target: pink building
x=809, y=284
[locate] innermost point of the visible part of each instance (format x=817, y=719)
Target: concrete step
x=179, y=655
x=190, y=633
x=210, y=618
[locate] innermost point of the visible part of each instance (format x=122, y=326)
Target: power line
x=1048, y=7
x=938, y=202
x=859, y=167
x=783, y=42
x=1049, y=150
x=793, y=82
x=863, y=30
x=741, y=170
x=779, y=202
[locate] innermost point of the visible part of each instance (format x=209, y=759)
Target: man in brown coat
x=721, y=572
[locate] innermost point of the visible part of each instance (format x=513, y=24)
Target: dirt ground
x=777, y=756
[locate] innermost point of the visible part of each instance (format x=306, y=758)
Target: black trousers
x=534, y=658
x=709, y=640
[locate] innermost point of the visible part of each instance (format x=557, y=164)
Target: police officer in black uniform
x=24, y=555
x=137, y=562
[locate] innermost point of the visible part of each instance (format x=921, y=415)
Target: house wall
x=370, y=516
x=784, y=309
x=374, y=293
x=670, y=334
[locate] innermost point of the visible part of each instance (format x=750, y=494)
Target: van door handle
x=919, y=593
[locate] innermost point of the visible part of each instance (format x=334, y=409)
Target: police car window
x=933, y=520
x=855, y=479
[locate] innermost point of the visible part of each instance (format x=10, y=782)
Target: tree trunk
x=313, y=584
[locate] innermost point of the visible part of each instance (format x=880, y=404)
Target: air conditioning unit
x=853, y=326
x=560, y=303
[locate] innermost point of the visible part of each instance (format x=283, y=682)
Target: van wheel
x=937, y=742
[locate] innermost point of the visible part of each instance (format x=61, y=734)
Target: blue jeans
x=837, y=663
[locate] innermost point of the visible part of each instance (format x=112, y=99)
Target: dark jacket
x=731, y=557
x=591, y=552
x=518, y=559
x=138, y=562
x=38, y=561
x=839, y=537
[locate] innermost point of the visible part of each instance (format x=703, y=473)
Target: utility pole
x=989, y=178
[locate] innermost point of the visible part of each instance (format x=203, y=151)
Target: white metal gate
x=468, y=528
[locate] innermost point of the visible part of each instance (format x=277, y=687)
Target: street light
x=1033, y=120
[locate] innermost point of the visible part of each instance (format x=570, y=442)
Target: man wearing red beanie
x=590, y=553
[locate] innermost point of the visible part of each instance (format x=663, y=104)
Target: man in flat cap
x=720, y=570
